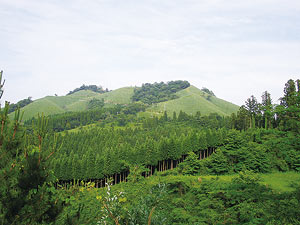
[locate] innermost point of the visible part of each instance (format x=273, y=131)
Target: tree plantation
x=116, y=164
x=112, y=150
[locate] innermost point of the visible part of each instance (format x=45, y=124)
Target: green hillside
x=75, y=102
x=120, y=96
x=192, y=100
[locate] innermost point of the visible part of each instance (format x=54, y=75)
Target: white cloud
x=236, y=48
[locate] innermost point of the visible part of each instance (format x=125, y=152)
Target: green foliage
x=94, y=88
x=95, y=104
x=158, y=92
x=19, y=104
x=251, y=105
x=27, y=194
x=285, y=116
x=288, y=111
x=256, y=150
x=218, y=163
x=244, y=198
x=135, y=173
x=149, y=208
x=112, y=206
x=121, y=139
x=190, y=100
x=160, y=147
x=267, y=109
x=209, y=92
x=160, y=144
x=70, y=120
x=281, y=181
x=134, y=108
x=122, y=205
x=190, y=166
x=81, y=205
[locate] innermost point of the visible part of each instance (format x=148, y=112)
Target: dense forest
x=184, y=169
x=159, y=92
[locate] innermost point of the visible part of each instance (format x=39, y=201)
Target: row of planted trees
x=285, y=116
x=103, y=152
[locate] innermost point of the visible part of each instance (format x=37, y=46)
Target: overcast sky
x=235, y=48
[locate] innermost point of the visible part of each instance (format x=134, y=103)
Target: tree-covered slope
x=191, y=100
x=159, y=92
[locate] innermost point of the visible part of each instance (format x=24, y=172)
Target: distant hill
x=192, y=100
x=75, y=102
x=189, y=100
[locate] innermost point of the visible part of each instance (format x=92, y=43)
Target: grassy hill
x=75, y=102
x=120, y=96
x=190, y=100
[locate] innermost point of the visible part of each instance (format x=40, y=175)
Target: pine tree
x=76, y=167
x=252, y=108
x=243, y=118
x=90, y=170
x=289, y=98
x=191, y=165
x=267, y=109
x=99, y=166
x=26, y=181
x=181, y=116
x=27, y=185
x=289, y=109
x=174, y=116
x=57, y=169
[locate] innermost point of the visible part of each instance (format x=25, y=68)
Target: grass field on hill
x=192, y=100
x=75, y=102
x=119, y=96
x=278, y=181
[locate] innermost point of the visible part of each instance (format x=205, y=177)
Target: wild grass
x=281, y=182
x=192, y=100
x=278, y=181
x=75, y=102
x=118, y=96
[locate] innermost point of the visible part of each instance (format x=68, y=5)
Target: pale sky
x=235, y=48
